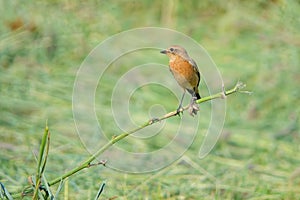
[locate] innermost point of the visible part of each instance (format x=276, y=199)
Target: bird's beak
x=163, y=51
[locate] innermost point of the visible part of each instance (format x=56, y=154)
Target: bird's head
x=173, y=51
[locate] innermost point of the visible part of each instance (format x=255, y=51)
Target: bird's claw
x=193, y=108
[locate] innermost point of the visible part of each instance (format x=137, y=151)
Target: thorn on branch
x=102, y=162
x=153, y=120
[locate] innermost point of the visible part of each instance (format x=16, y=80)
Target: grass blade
x=101, y=188
x=5, y=192
x=42, y=160
x=61, y=184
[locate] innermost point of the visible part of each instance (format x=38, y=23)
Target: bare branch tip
x=246, y=92
x=239, y=86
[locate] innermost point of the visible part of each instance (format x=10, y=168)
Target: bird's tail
x=195, y=93
x=198, y=95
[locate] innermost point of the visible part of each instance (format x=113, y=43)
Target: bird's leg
x=193, y=107
x=180, y=108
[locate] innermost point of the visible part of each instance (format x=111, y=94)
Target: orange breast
x=184, y=73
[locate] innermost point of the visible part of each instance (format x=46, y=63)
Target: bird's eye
x=171, y=49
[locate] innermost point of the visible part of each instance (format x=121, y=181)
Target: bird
x=186, y=73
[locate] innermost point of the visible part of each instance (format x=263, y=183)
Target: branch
x=88, y=163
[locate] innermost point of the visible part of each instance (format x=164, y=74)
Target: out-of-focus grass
x=42, y=45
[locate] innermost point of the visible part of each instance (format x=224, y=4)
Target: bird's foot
x=193, y=107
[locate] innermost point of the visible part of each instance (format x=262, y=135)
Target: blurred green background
x=257, y=157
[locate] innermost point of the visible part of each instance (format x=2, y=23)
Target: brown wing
x=195, y=67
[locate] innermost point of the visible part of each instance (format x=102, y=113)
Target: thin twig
x=87, y=163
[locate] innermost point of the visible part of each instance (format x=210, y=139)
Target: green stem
x=87, y=163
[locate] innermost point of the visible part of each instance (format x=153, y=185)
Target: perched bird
x=186, y=73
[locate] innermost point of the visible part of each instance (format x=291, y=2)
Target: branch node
x=179, y=111
x=102, y=162
x=223, y=94
x=153, y=120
